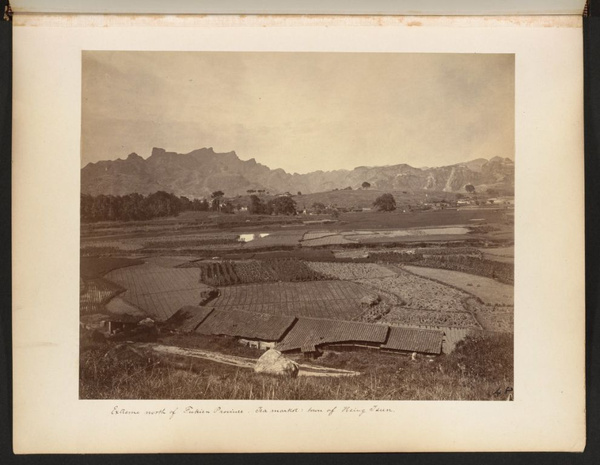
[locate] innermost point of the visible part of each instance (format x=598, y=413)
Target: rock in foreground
x=273, y=362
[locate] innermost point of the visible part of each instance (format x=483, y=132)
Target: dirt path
x=243, y=362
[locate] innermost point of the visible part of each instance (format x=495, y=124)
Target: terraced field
x=158, y=290
x=318, y=299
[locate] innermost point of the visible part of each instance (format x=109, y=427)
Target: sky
x=300, y=111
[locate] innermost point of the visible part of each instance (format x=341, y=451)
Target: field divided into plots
x=158, y=290
x=231, y=272
x=488, y=290
x=420, y=293
x=318, y=299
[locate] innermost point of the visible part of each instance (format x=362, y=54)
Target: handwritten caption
x=191, y=410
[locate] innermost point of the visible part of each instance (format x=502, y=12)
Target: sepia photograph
x=297, y=226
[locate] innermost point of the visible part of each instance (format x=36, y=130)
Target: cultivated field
x=351, y=271
x=420, y=293
x=321, y=299
x=158, y=290
x=229, y=272
x=431, y=270
x=488, y=290
x=336, y=239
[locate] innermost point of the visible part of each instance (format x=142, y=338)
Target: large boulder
x=273, y=362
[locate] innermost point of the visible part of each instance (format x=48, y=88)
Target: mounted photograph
x=297, y=226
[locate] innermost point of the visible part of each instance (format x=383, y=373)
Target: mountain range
x=200, y=172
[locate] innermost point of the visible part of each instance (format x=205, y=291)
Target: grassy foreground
x=479, y=369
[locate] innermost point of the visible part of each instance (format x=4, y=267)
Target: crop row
x=227, y=273
x=324, y=299
x=290, y=269
x=351, y=271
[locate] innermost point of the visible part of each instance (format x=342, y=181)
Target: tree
x=385, y=203
x=200, y=205
x=257, y=206
x=283, y=206
x=184, y=203
x=366, y=185
x=470, y=188
x=216, y=197
x=227, y=207
x=162, y=203
x=318, y=207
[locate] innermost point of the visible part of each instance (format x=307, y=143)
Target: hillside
x=200, y=172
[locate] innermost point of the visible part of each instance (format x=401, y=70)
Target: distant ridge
x=198, y=173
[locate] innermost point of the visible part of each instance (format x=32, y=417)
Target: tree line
x=163, y=204
x=136, y=206
x=283, y=205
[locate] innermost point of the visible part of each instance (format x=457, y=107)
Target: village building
x=188, y=318
x=408, y=340
x=307, y=336
x=257, y=330
x=310, y=336
x=503, y=201
x=121, y=323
